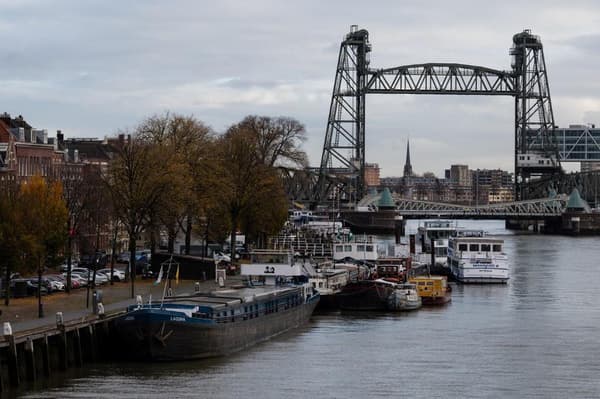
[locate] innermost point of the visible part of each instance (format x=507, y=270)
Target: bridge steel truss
x=441, y=79
x=344, y=147
x=541, y=208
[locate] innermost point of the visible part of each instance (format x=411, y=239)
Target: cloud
x=95, y=68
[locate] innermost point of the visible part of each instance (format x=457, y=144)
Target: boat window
x=369, y=248
x=360, y=248
x=497, y=248
x=339, y=248
x=430, y=283
x=347, y=248
x=462, y=247
x=485, y=248
x=474, y=247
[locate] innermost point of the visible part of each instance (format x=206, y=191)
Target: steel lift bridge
x=551, y=207
x=343, y=160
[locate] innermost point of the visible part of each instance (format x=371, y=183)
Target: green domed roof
x=576, y=202
x=386, y=200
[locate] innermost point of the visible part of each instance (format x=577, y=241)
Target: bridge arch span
x=441, y=78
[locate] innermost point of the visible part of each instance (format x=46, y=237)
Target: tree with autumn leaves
x=176, y=175
x=33, y=228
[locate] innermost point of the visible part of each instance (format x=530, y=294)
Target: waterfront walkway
x=22, y=313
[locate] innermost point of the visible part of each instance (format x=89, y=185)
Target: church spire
x=407, y=166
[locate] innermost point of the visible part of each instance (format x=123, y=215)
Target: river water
x=538, y=336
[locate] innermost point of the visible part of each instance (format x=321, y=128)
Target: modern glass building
x=578, y=143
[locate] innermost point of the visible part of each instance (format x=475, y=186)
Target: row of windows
x=359, y=248
x=480, y=247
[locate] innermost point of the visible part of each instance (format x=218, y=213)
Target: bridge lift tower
x=343, y=159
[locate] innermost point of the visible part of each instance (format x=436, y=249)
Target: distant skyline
x=91, y=68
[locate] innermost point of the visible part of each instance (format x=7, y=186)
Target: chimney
x=76, y=156
x=121, y=139
x=45, y=136
x=60, y=138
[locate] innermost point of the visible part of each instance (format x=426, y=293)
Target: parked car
x=32, y=287
x=118, y=275
x=221, y=257
x=123, y=257
x=76, y=277
x=53, y=283
x=65, y=266
x=19, y=288
x=144, y=253
x=88, y=275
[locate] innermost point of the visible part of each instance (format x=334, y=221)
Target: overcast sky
x=91, y=68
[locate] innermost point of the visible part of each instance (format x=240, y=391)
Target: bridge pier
x=537, y=226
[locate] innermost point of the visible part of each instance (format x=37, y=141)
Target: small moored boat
x=433, y=290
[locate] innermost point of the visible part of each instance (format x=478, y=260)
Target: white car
x=118, y=275
x=221, y=257
x=76, y=276
x=54, y=283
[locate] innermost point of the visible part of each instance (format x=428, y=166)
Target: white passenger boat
x=439, y=231
x=475, y=258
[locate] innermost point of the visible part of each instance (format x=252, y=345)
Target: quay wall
x=30, y=356
x=571, y=223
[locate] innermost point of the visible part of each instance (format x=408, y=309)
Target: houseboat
x=438, y=232
x=359, y=248
x=476, y=258
x=393, y=268
x=433, y=290
x=277, y=299
x=379, y=294
x=329, y=281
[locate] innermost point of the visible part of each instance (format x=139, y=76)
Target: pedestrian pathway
x=22, y=313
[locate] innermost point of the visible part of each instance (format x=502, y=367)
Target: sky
x=94, y=68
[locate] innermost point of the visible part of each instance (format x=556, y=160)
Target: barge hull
x=148, y=338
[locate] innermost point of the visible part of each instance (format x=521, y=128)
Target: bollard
x=138, y=301
x=100, y=310
x=60, y=321
x=197, y=286
x=7, y=328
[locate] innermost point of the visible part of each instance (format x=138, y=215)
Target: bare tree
x=139, y=180
x=278, y=140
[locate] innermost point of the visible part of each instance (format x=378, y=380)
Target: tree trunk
x=152, y=242
x=112, y=256
x=234, y=223
x=69, y=257
x=171, y=243
x=188, y=234
x=206, y=239
x=7, y=289
x=132, y=246
x=40, y=309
